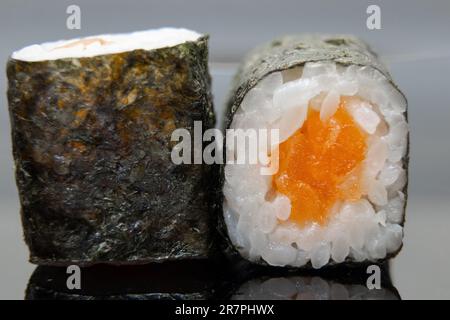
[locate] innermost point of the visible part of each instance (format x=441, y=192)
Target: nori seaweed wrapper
x=172, y=280
x=294, y=51
x=92, y=143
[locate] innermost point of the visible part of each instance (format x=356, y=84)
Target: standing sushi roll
x=91, y=121
x=339, y=192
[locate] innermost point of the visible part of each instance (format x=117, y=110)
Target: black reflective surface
x=209, y=279
x=171, y=280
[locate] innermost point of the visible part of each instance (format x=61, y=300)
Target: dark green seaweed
x=91, y=145
x=290, y=52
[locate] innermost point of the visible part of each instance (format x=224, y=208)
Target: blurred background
x=414, y=41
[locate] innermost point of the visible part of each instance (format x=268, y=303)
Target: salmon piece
x=320, y=164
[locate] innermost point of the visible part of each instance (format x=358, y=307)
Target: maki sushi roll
x=91, y=122
x=336, y=189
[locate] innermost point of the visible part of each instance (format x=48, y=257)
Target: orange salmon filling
x=320, y=164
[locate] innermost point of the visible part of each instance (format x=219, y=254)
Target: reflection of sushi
x=249, y=282
x=339, y=193
x=173, y=280
x=309, y=288
x=91, y=124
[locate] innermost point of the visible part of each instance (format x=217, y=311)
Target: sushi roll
x=91, y=123
x=330, y=186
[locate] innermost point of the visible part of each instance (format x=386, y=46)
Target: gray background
x=413, y=41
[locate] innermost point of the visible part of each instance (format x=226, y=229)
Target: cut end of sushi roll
x=338, y=192
x=106, y=44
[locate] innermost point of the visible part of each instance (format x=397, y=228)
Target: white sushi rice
x=106, y=44
x=367, y=229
